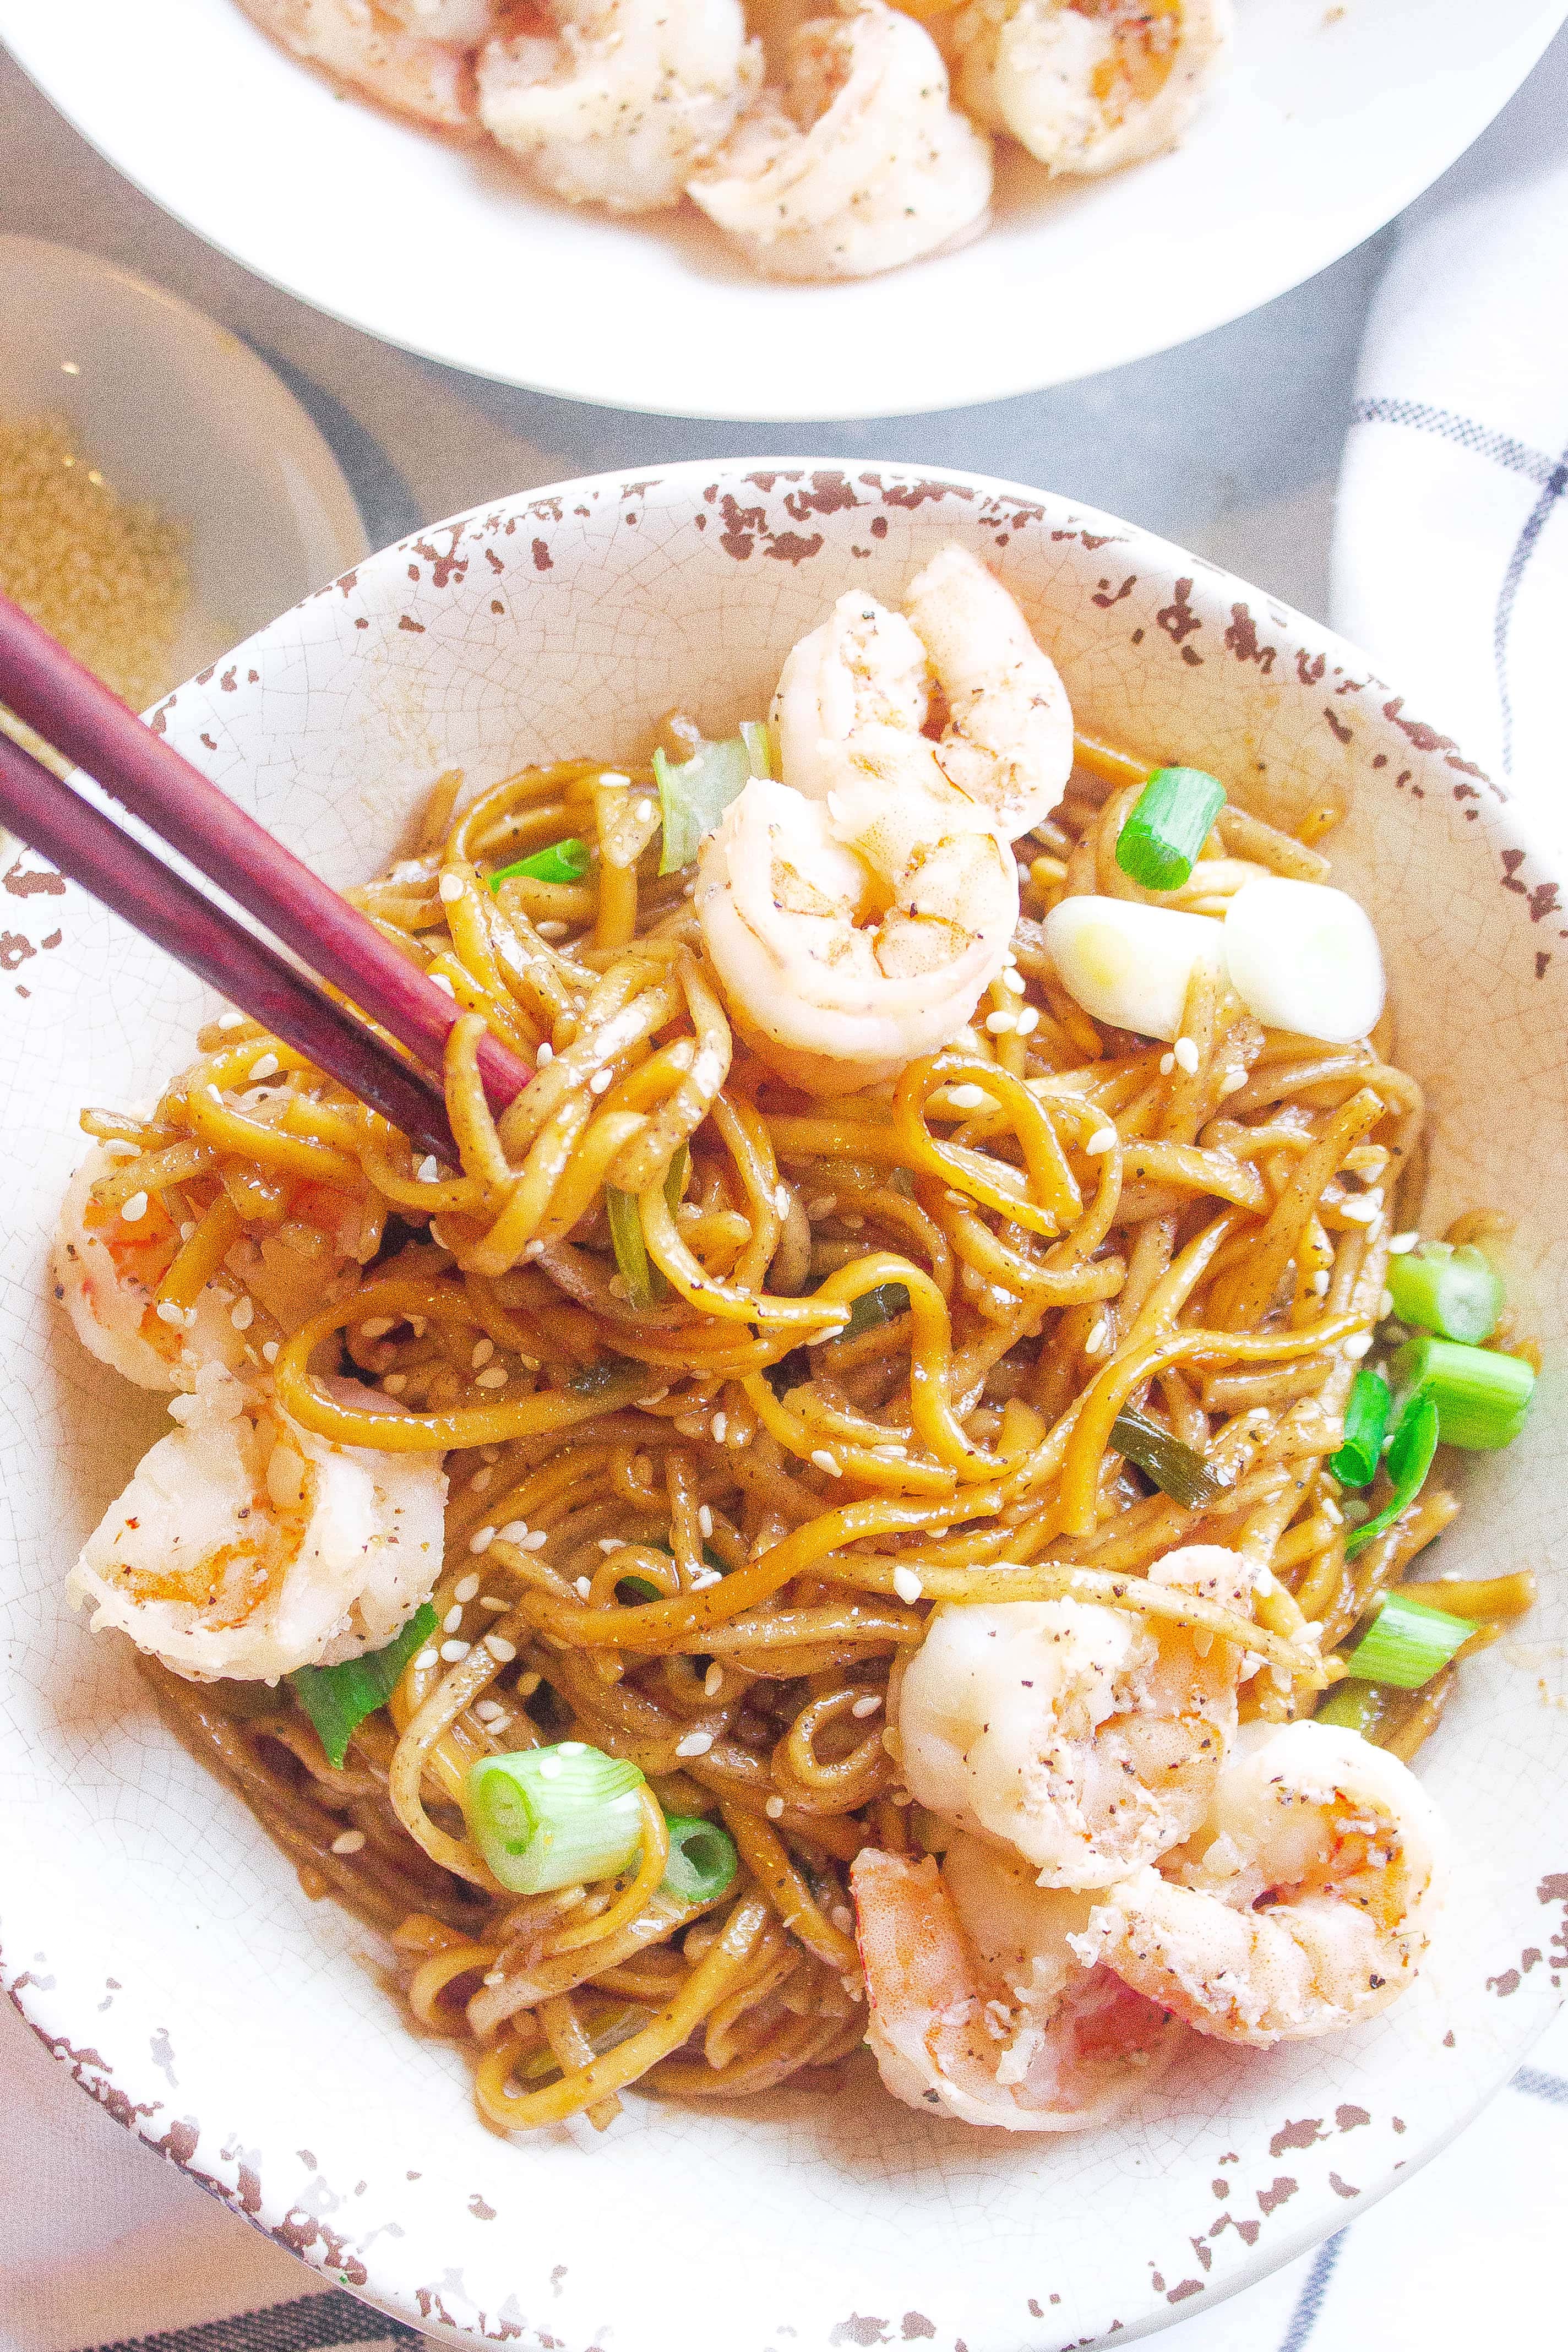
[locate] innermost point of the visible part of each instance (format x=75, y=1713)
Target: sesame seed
x=1011, y=979
x=721, y=1426
x=601, y=1082
x=489, y=1709
x=425, y=1660
x=231, y=1020
x=1186, y=1055
x=1101, y=1140
x=967, y=1097
x=549, y=1768
x=1320, y=1282
x=696, y=1743
x=584, y=1588
x=1001, y=1022
x=545, y=1054
x=243, y=1313
x=1234, y=1083
x=1028, y=1021
x=134, y=1209
x=439, y=979
x=481, y=1540
x=187, y=1228
x=642, y=811
x=867, y=1705
x=713, y=1680
x=270, y=1351
x=534, y=1542
x=464, y=1588
x=266, y=1065
x=705, y=1518
x=490, y=1601
x=496, y=1377
x=1096, y=1338
x=453, y=1651
x=483, y=1350
x=775, y=1809
x=1167, y=1064
x=843, y=1918
x=1358, y=1345
x=608, y=1544
x=504, y=1652
x=351, y=1842
x=1364, y=1210
x=450, y=888
x=216, y=1092
x=906, y=1584
x=452, y=1622
x=828, y=1461
x=428, y=1170
x=531, y=1250
x=1401, y=1243
x=493, y=1977
x=1384, y=1303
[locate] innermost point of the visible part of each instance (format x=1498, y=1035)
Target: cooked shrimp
x=1087, y=1739
x=857, y=910
x=245, y=1547
x=859, y=162
x=107, y=1270
x=979, y=2006
x=369, y=44
x=626, y=101
x=1090, y=85
x=1308, y=1906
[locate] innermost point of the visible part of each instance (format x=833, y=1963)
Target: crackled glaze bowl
x=158, y=1941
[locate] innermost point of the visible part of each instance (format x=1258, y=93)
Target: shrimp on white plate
x=628, y=98
x=859, y=162
x=413, y=56
x=1306, y=1904
x=856, y=911
x=979, y=2006
x=1090, y=85
x=1088, y=1740
x=246, y=1547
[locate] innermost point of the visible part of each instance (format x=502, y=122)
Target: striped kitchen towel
x=1450, y=554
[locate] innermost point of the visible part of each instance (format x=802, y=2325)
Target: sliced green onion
x=676, y=1174
x=1409, y=1459
x=1366, y=1424
x=1173, y=816
x=338, y=1698
x=546, y=1817
x=874, y=1307
x=1354, y=1706
x=758, y=741
x=631, y=1250
x=695, y=794
x=1480, y=1395
x=702, y=1860
x=1174, y=1466
x=592, y=1380
x=563, y=861
x=1406, y=1644
x=1458, y=1293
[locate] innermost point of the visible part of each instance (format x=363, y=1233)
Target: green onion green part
x=755, y=736
x=1481, y=1396
x=702, y=1860
x=563, y=861
x=1456, y=1293
x=1352, y=1707
x=338, y=1698
x=592, y=1380
x=676, y=1174
x=1406, y=1644
x=875, y=1308
x=547, y=1817
x=1366, y=1424
x=1172, y=817
x=1174, y=1466
x=1409, y=1459
x=631, y=1251
x=695, y=794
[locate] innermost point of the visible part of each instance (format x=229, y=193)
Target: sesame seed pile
x=105, y=575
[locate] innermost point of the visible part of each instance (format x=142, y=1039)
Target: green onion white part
x=1480, y=1396
x=547, y=1817
x=1456, y=1293
x=1408, y=1644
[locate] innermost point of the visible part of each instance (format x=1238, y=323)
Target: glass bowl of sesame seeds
x=163, y=494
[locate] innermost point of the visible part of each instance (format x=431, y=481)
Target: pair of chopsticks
x=93, y=730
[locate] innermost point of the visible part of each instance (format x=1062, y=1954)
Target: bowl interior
x=176, y=410
x=146, y=1922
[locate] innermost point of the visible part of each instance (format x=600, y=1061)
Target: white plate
x=175, y=409
x=1333, y=118
x=164, y=1948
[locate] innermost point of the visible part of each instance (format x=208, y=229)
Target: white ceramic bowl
x=175, y=409
x=1332, y=120
x=152, y=1934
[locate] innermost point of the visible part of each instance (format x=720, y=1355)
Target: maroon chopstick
x=91, y=727
x=91, y=848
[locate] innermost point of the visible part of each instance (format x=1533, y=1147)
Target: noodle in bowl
x=567, y=624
